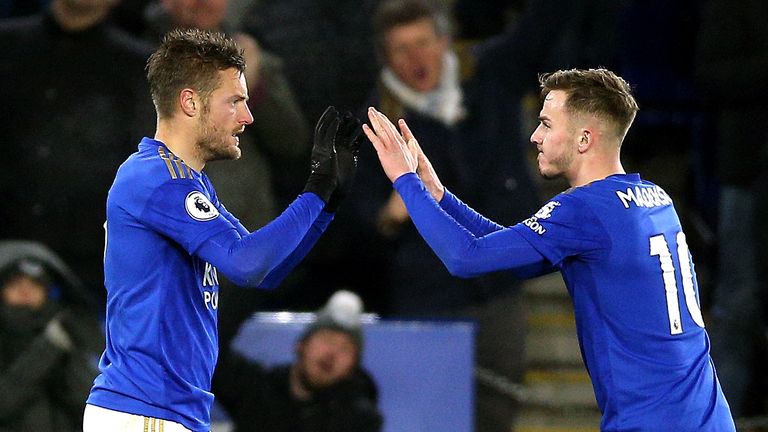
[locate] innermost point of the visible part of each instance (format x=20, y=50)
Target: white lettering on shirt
x=211, y=276
x=644, y=197
x=211, y=299
x=533, y=223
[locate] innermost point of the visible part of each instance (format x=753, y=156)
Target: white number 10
x=660, y=248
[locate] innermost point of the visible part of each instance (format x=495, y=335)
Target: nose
x=246, y=117
x=535, y=137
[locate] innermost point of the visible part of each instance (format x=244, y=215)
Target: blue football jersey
x=623, y=255
x=162, y=298
x=624, y=258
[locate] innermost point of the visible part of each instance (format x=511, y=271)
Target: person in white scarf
x=426, y=80
x=422, y=73
x=442, y=103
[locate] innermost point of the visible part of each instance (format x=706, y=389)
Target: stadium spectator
x=75, y=100
x=431, y=83
x=49, y=342
x=325, y=389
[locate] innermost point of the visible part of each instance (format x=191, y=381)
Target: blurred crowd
x=462, y=73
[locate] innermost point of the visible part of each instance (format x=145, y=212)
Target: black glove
x=323, y=178
x=348, y=140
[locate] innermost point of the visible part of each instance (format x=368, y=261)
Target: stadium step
x=557, y=394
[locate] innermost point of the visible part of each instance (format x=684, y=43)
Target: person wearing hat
x=325, y=388
x=48, y=352
x=25, y=284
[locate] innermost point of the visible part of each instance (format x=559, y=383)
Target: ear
x=586, y=140
x=189, y=102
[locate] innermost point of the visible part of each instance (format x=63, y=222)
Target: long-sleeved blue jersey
x=168, y=237
x=621, y=250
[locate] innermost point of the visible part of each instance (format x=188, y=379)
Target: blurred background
x=75, y=104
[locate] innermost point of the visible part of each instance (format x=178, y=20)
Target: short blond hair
x=598, y=92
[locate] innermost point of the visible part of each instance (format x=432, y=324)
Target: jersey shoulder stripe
x=177, y=169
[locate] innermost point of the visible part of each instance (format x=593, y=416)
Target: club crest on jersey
x=546, y=211
x=199, y=207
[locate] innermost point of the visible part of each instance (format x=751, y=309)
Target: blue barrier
x=423, y=369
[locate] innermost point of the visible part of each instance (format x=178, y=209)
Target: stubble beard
x=213, y=144
x=558, y=166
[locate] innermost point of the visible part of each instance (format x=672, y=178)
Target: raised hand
x=393, y=153
x=424, y=169
x=323, y=178
x=348, y=139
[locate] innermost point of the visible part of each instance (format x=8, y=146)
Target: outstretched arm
x=272, y=250
x=463, y=253
x=476, y=223
x=265, y=257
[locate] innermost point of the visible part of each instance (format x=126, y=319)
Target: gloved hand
x=348, y=140
x=323, y=178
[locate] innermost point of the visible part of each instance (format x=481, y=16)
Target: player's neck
x=596, y=171
x=181, y=142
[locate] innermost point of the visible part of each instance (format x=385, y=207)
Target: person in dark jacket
x=325, y=389
x=468, y=113
x=48, y=347
x=74, y=100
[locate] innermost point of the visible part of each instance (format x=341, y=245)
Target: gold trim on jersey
x=168, y=164
x=176, y=167
x=180, y=166
x=152, y=424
